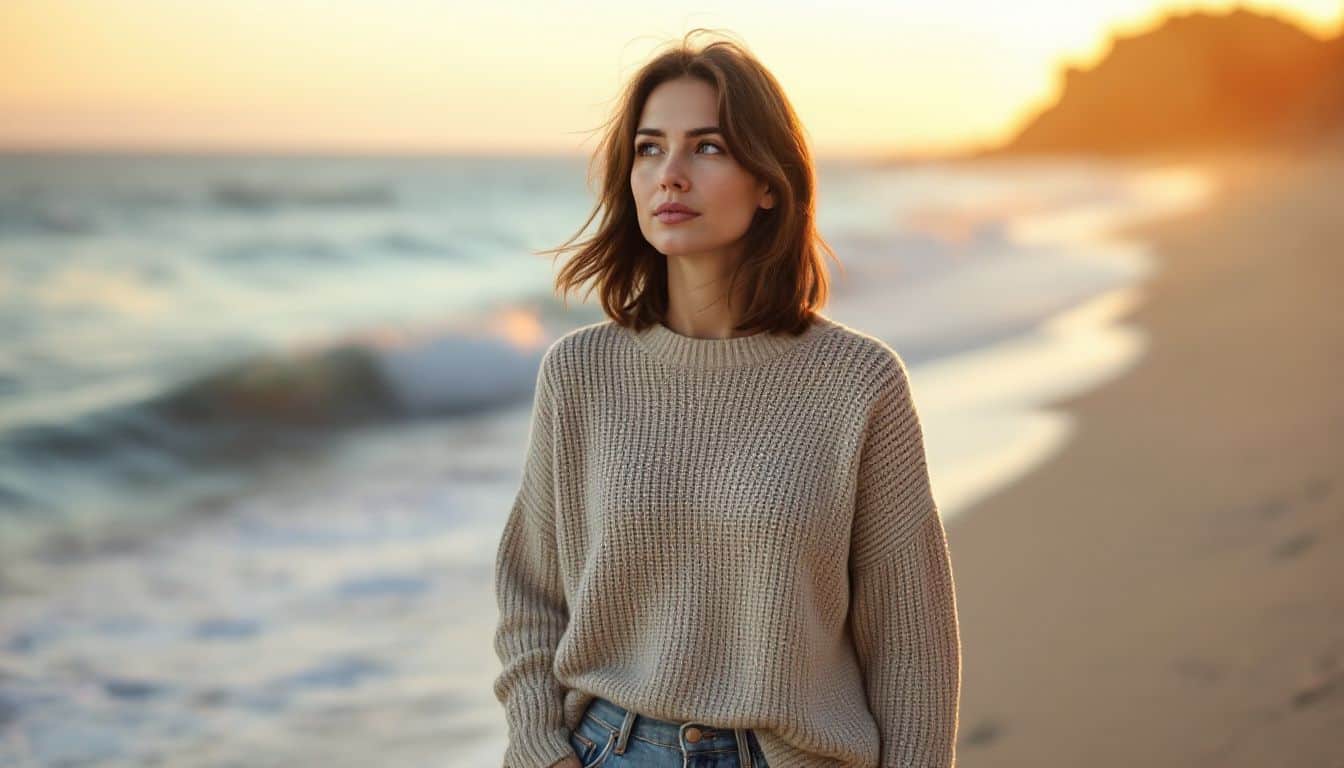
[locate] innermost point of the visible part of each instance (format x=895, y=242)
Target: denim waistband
x=666, y=733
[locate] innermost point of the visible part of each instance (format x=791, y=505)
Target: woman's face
x=681, y=157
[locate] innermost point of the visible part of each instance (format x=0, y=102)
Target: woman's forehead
x=680, y=104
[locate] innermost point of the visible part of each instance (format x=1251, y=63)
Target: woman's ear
x=767, y=199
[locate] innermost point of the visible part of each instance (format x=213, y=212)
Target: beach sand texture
x=1169, y=588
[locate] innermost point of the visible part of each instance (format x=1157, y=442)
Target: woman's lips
x=675, y=217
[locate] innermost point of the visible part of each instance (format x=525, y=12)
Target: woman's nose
x=673, y=176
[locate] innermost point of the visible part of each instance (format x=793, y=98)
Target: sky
x=531, y=76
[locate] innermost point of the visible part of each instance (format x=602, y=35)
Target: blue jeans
x=610, y=735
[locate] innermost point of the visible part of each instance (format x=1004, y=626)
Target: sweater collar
x=691, y=352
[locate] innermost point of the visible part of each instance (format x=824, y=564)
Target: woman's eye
x=639, y=148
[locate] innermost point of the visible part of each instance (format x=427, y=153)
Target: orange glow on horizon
x=410, y=76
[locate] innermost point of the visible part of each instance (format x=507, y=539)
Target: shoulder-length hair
x=783, y=277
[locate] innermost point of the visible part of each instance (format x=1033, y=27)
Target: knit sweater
x=739, y=532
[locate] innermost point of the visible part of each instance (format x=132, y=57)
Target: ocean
x=262, y=417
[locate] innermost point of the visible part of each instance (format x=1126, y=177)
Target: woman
x=724, y=550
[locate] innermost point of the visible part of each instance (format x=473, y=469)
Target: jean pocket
x=592, y=747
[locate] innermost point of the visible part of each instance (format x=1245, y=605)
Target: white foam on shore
x=987, y=413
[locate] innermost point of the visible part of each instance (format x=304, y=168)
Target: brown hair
x=786, y=280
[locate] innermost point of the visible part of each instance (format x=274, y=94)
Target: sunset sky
x=525, y=76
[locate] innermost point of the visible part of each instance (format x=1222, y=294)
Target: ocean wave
x=38, y=217
x=111, y=478
x=327, y=388
x=414, y=245
x=240, y=409
x=248, y=195
x=267, y=249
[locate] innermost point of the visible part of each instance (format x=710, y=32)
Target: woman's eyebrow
x=693, y=132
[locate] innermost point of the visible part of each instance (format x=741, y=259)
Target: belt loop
x=624, y=737
x=743, y=749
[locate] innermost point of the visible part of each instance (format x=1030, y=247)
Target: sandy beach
x=1168, y=589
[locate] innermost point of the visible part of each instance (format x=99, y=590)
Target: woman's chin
x=683, y=248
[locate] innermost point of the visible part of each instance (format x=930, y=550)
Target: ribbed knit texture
x=735, y=531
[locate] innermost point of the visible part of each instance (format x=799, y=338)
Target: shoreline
x=1159, y=591
x=987, y=405
x=1039, y=431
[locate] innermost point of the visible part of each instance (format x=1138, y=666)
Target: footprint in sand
x=1195, y=668
x=1317, y=689
x=1327, y=678
x=1317, y=488
x=1294, y=545
x=985, y=732
x=1273, y=508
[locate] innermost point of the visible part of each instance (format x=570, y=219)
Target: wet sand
x=1168, y=590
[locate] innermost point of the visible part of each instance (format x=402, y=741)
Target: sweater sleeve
x=903, y=615
x=533, y=613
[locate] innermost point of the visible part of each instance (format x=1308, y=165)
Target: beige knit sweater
x=735, y=531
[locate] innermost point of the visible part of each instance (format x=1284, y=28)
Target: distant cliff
x=1197, y=81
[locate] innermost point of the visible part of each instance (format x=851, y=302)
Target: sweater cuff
x=538, y=749
x=538, y=735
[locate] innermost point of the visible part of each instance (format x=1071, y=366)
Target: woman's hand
x=571, y=761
